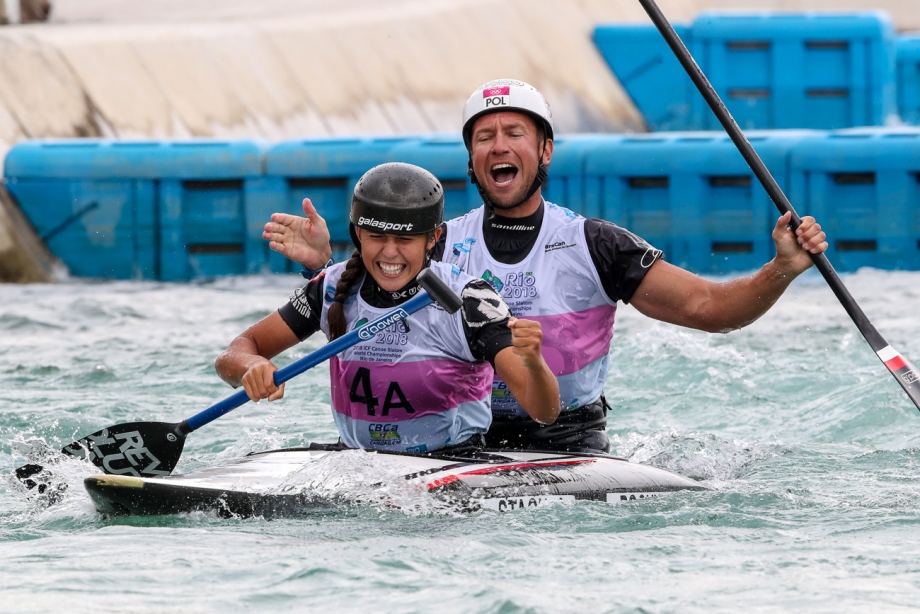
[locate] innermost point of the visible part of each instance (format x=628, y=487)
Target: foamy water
x=811, y=448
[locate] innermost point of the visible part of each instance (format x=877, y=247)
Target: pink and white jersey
x=557, y=285
x=415, y=386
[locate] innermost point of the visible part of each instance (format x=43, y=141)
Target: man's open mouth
x=503, y=174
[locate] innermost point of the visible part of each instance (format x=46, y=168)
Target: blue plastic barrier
x=773, y=71
x=152, y=210
x=691, y=195
x=797, y=70
x=181, y=210
x=908, y=54
x=565, y=184
x=648, y=70
x=325, y=171
x=864, y=188
x=446, y=158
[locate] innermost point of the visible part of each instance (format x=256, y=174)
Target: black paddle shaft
x=902, y=370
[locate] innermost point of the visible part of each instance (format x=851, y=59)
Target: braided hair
x=336, y=314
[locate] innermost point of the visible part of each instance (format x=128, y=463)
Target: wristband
x=311, y=273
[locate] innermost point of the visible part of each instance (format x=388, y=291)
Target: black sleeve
x=485, y=320
x=621, y=258
x=437, y=252
x=303, y=310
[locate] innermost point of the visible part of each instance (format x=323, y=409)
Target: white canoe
x=266, y=483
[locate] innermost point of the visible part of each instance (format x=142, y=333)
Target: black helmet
x=397, y=198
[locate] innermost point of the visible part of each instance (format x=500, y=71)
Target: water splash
x=356, y=477
x=704, y=457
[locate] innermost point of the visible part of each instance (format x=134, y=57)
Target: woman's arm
x=246, y=361
x=529, y=378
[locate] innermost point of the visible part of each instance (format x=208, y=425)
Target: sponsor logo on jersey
x=405, y=293
x=395, y=334
x=464, y=247
x=500, y=389
x=551, y=247
x=370, y=329
x=650, y=256
x=493, y=280
x=385, y=434
x=299, y=302
x=520, y=285
x=513, y=227
x=565, y=211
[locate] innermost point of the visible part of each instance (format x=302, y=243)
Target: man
x=563, y=270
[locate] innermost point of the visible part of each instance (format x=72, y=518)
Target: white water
x=810, y=446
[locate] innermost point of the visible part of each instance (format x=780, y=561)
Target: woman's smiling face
x=394, y=260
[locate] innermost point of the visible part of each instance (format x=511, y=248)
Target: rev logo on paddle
x=128, y=458
x=375, y=326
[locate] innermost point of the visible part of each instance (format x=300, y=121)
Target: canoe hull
x=264, y=484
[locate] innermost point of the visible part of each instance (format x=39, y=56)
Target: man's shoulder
x=563, y=214
x=465, y=218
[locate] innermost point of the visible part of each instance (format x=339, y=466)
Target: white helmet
x=506, y=95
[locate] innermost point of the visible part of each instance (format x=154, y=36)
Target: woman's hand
x=259, y=382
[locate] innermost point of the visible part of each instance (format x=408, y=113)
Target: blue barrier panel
x=648, y=70
x=446, y=158
x=908, y=54
x=691, y=194
x=154, y=210
x=565, y=185
x=797, y=70
x=325, y=171
x=863, y=186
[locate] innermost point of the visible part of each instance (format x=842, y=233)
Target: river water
x=811, y=449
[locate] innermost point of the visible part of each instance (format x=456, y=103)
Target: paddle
x=150, y=449
x=905, y=373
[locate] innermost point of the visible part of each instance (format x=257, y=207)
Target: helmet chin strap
x=542, y=173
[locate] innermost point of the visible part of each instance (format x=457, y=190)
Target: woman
x=423, y=384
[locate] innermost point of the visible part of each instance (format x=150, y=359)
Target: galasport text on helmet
x=506, y=95
x=398, y=198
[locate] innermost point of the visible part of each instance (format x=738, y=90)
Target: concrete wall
x=23, y=256
x=290, y=68
x=404, y=68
